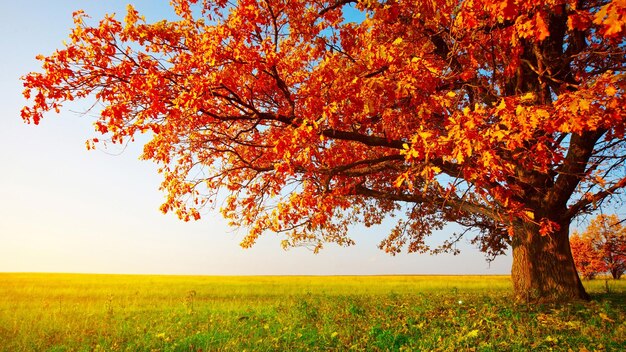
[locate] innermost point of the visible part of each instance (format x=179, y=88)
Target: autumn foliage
x=587, y=258
x=504, y=116
x=601, y=248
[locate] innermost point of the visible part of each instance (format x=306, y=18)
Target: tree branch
x=585, y=201
x=455, y=204
x=573, y=168
x=336, y=5
x=371, y=141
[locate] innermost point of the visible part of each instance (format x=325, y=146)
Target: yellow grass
x=66, y=312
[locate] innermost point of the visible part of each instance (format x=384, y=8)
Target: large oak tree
x=504, y=116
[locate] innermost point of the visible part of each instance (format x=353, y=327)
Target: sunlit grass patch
x=46, y=312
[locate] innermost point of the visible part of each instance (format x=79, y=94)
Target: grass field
x=63, y=312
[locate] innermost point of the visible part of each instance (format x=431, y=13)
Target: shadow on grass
x=616, y=299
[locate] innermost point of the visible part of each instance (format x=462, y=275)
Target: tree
x=605, y=237
x=588, y=259
x=506, y=117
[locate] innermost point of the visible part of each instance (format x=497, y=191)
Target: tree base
x=543, y=267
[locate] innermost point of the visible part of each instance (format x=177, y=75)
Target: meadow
x=69, y=312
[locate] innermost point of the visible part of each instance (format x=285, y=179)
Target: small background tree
x=589, y=262
x=601, y=248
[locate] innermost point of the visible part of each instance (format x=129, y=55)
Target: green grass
x=62, y=312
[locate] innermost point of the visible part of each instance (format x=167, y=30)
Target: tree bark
x=543, y=267
x=616, y=274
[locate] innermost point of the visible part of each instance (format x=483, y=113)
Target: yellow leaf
x=542, y=113
x=400, y=180
x=601, y=181
x=573, y=107
x=424, y=134
x=472, y=334
x=501, y=106
x=499, y=135
x=606, y=317
x=542, y=29
x=529, y=214
x=610, y=91
x=528, y=97
x=609, y=16
x=551, y=339
x=533, y=121
x=460, y=158
x=397, y=41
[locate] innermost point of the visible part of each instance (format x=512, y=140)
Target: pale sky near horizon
x=66, y=209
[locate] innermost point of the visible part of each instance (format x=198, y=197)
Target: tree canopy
x=601, y=247
x=504, y=116
x=587, y=258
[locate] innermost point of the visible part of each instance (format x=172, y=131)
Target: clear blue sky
x=66, y=209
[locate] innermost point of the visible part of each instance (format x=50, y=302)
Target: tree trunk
x=543, y=266
x=616, y=273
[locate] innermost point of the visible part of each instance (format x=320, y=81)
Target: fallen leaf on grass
x=606, y=317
